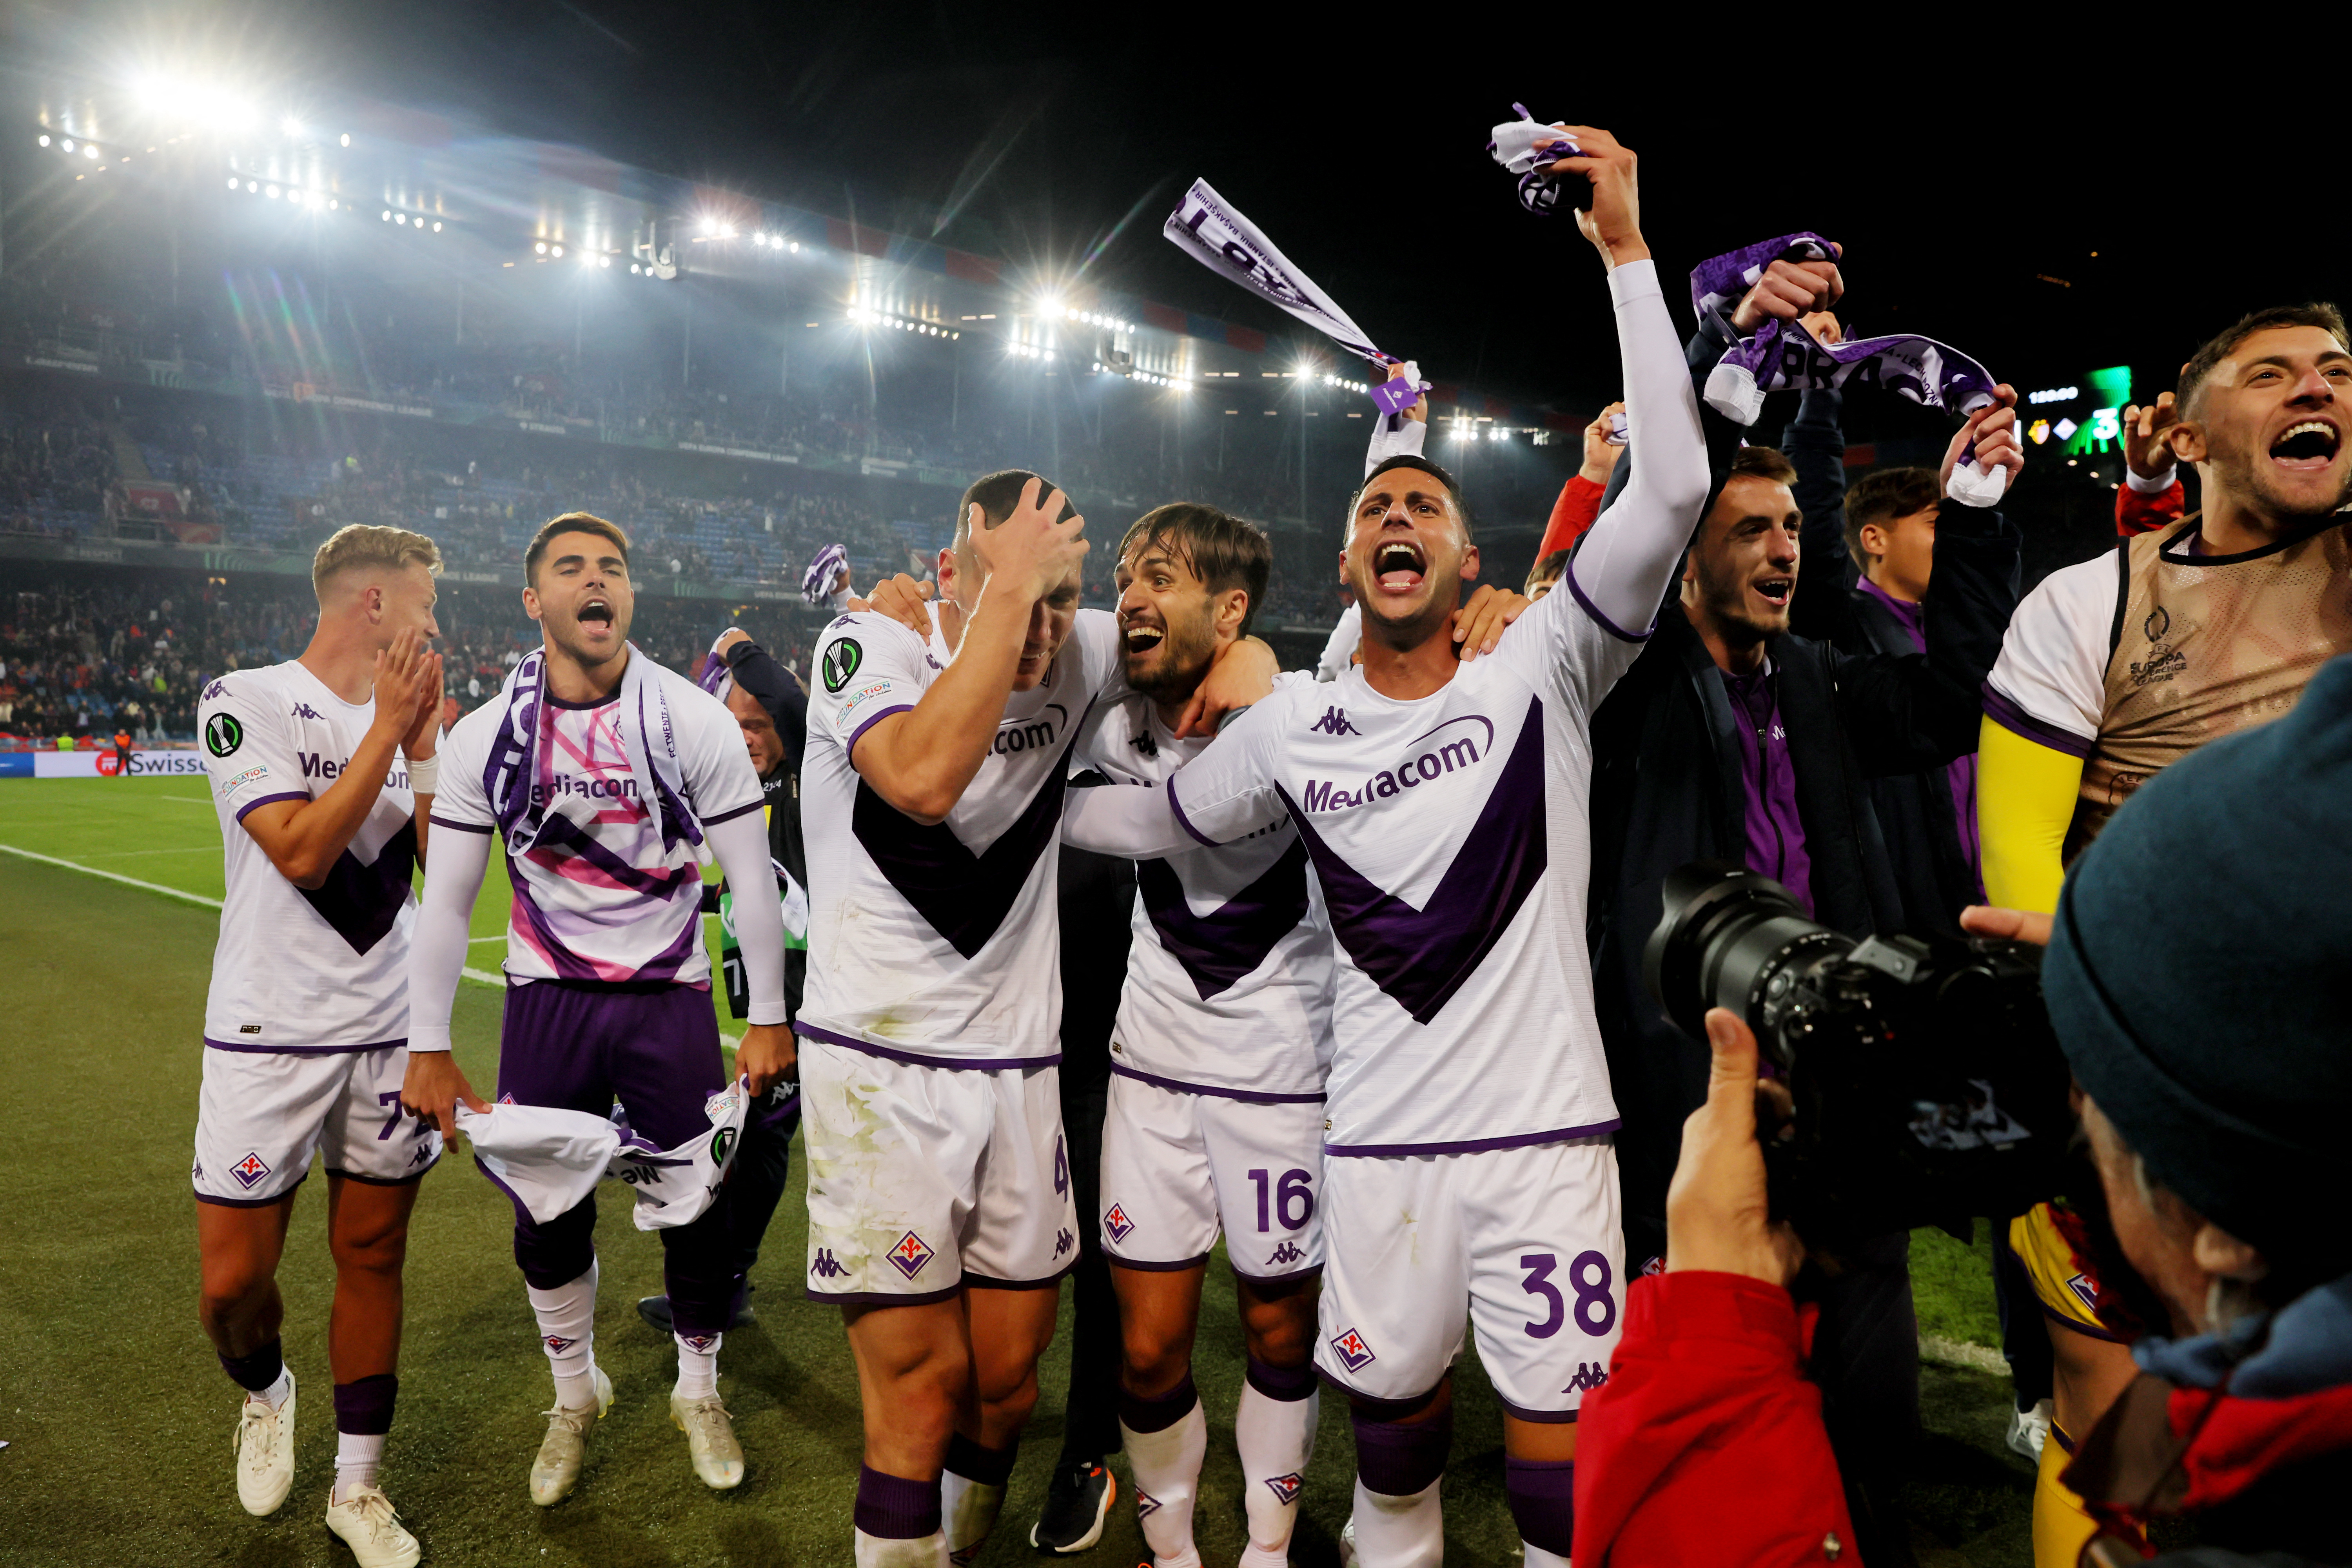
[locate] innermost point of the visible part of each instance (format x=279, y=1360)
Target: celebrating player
x=325, y=764
x=1468, y=1176
x=940, y=1213
x=603, y=773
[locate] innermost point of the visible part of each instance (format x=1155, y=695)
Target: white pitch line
x=482, y=975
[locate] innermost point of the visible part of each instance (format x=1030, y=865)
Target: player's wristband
x=424, y=772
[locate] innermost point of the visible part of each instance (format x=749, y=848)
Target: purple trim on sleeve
x=437, y=820
x=251, y=805
x=1140, y=1266
x=1247, y=1096
x=1472, y=1146
x=1545, y=1418
x=1575, y=591
x=709, y=822
x=255, y=1049
x=2025, y=726
x=850, y=746
x=984, y=1283
x=916, y=1059
x=1183, y=821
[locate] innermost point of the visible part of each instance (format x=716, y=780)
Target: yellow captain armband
x=2026, y=793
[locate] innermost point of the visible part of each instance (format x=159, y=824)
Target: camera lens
x=1724, y=936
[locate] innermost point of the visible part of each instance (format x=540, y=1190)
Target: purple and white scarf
x=1526, y=146
x=816, y=582
x=1215, y=232
x=1785, y=356
x=521, y=762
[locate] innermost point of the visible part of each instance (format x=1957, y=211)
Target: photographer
x=2211, y=1085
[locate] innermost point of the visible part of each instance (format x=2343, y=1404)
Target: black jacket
x=1667, y=790
x=787, y=701
x=1932, y=869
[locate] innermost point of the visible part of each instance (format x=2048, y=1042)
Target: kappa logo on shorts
x=1286, y=1487
x=1063, y=1242
x=1588, y=1376
x=1146, y=1505
x=197, y=1172
x=1351, y=1350
x=909, y=1256
x=1288, y=1252
x=250, y=1171
x=557, y=1344
x=1116, y=1222
x=826, y=1266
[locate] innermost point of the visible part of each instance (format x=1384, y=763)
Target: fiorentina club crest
x=556, y=1343
x=1352, y=1350
x=1285, y=1488
x=1146, y=1505
x=1117, y=1223
x=249, y=1171
x=909, y=1256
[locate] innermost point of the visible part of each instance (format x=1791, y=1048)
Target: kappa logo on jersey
x=1353, y=1353
x=1435, y=761
x=197, y=1172
x=841, y=662
x=909, y=1256
x=556, y=1343
x=1063, y=1242
x=213, y=691
x=304, y=710
x=1286, y=1487
x=1334, y=722
x=250, y=1171
x=826, y=1266
x=1146, y=1505
x=1588, y=1376
x=1117, y=1223
x=223, y=734
x=1288, y=1252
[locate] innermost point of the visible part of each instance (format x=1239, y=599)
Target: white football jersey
x=598, y=896
x=1228, y=980
x=548, y=1159
x=941, y=942
x=304, y=969
x=1451, y=844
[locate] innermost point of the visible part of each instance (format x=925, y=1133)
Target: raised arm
x=1814, y=444
x=1621, y=571
x=921, y=759
x=437, y=958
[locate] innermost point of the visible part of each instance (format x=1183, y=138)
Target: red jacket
x=1578, y=504
x=2138, y=513
x=1706, y=1445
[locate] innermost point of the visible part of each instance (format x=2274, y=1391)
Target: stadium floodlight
x=333, y=205
x=556, y=251
x=269, y=190
x=232, y=182
x=602, y=261
x=290, y=126
x=68, y=143
x=45, y=138
x=540, y=247
x=253, y=187
x=346, y=138
x=436, y=226
x=400, y=218
x=634, y=270
x=388, y=215
x=795, y=247
x=88, y=150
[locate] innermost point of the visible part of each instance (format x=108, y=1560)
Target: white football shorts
x=1523, y=1245
x=922, y=1180
x=262, y=1114
x=1179, y=1166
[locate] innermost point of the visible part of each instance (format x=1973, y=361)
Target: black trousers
x=764, y=1163
x=1866, y=1360
x=1097, y=898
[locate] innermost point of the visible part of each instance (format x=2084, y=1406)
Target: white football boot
x=366, y=1522
x=710, y=1440
x=556, y=1470
x=265, y=1452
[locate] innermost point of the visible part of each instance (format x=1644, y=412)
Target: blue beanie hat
x=2200, y=979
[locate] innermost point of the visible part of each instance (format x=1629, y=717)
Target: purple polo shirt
x=1962, y=771
x=1775, y=835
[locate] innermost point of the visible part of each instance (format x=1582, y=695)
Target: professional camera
x=1928, y=1087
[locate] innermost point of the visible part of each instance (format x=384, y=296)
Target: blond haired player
x=320, y=771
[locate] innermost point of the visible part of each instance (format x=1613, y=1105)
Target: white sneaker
x=2029, y=1429
x=365, y=1520
x=1348, y=1544
x=265, y=1452
x=710, y=1440
x=556, y=1470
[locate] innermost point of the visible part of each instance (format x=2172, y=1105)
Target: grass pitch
x=119, y=1421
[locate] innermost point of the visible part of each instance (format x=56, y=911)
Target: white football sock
x=1166, y=1466
x=922, y=1551
x=1538, y=1558
x=968, y=1511
x=1399, y=1531
x=275, y=1395
x=567, y=1332
x=698, y=1369
x=1276, y=1438
x=358, y=1457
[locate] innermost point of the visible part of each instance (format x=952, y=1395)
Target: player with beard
x=2116, y=667
x=603, y=774
x=1468, y=1177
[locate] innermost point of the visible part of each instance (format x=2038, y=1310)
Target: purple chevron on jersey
x=965, y=897
x=1218, y=949
x=1422, y=957
x=364, y=902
